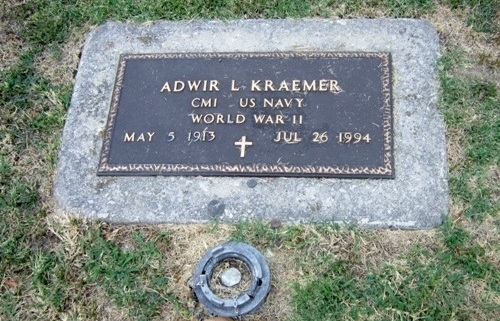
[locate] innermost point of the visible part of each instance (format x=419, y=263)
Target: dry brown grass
x=60, y=66
x=181, y=256
x=494, y=177
x=385, y=247
x=11, y=45
x=481, y=49
x=184, y=254
x=230, y=292
x=479, y=294
x=486, y=234
x=368, y=250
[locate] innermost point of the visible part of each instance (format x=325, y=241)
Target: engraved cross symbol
x=243, y=145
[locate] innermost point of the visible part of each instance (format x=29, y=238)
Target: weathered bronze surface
x=322, y=114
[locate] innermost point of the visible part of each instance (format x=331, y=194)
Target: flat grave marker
x=325, y=114
x=323, y=167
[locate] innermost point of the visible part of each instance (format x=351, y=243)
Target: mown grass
x=132, y=278
x=93, y=271
x=472, y=106
x=427, y=282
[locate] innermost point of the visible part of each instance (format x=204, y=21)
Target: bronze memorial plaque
x=314, y=114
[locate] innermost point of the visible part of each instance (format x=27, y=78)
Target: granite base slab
x=417, y=197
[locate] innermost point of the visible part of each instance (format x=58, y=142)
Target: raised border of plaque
x=266, y=167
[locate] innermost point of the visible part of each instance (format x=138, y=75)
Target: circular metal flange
x=246, y=301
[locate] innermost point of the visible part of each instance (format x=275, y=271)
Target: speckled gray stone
x=417, y=198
